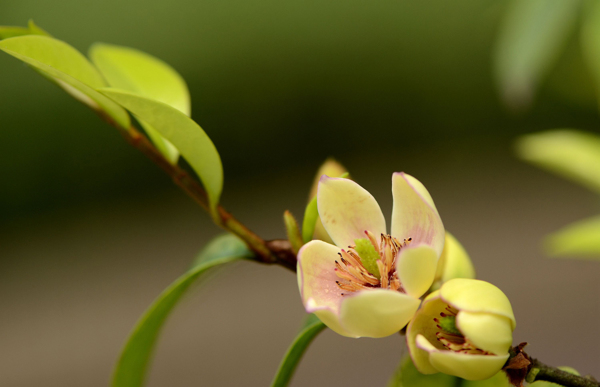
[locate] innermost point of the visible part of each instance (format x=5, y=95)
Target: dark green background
x=275, y=84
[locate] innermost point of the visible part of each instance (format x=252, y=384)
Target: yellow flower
x=464, y=329
x=369, y=282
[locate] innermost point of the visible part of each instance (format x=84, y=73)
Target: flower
x=464, y=329
x=369, y=282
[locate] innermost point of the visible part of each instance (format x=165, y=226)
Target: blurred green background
x=92, y=231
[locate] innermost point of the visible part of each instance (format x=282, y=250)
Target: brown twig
x=541, y=371
x=266, y=252
x=520, y=367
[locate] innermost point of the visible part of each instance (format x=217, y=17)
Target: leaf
x=131, y=367
x=498, y=380
x=310, y=329
x=569, y=153
x=407, y=375
x=32, y=29
x=532, y=37
x=581, y=239
x=137, y=72
x=67, y=67
x=311, y=214
x=225, y=245
x=181, y=131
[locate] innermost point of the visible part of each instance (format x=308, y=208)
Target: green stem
x=541, y=371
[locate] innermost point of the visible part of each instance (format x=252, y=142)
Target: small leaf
x=311, y=214
x=408, y=376
x=32, y=29
x=137, y=72
x=131, y=367
x=293, y=232
x=532, y=36
x=68, y=68
x=498, y=380
x=181, y=131
x=569, y=153
x=581, y=239
x=311, y=328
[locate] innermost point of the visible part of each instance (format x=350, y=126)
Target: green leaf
x=131, y=367
x=68, y=68
x=532, y=36
x=580, y=239
x=311, y=214
x=311, y=328
x=137, y=72
x=569, y=153
x=225, y=245
x=407, y=375
x=32, y=29
x=181, y=131
x=293, y=232
x=498, y=380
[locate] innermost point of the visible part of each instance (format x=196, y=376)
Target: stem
x=541, y=371
x=222, y=218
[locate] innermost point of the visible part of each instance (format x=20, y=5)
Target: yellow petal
x=422, y=324
x=414, y=215
x=377, y=313
x=416, y=269
x=466, y=366
x=486, y=331
x=477, y=296
x=347, y=210
x=329, y=318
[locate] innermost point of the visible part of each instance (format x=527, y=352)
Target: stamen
x=354, y=275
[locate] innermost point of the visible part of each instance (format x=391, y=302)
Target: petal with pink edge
x=347, y=210
x=377, y=313
x=414, y=215
x=316, y=275
x=416, y=267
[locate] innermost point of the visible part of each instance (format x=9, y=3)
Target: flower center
x=369, y=264
x=450, y=336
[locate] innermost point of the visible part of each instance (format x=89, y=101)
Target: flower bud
x=330, y=168
x=464, y=329
x=454, y=262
